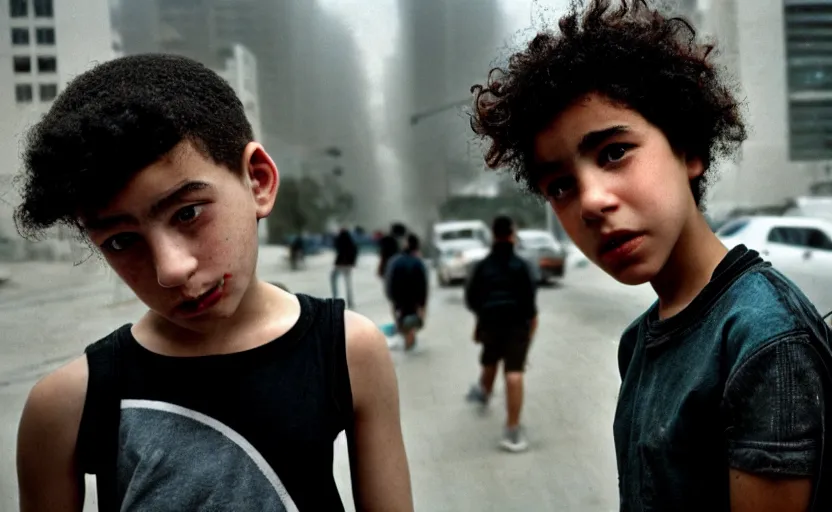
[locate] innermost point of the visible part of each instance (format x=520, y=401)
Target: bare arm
x=383, y=477
x=47, y=470
x=752, y=493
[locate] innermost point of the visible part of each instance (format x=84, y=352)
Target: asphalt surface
x=50, y=312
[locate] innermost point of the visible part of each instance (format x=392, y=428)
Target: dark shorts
x=507, y=345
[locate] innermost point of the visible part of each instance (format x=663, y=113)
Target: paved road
x=50, y=312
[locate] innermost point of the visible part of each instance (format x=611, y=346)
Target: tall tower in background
x=311, y=88
x=446, y=48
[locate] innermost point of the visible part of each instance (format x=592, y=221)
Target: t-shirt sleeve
x=774, y=405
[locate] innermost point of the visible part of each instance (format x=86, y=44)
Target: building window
x=47, y=64
x=809, y=71
x=23, y=93
x=45, y=36
x=19, y=8
x=48, y=92
x=20, y=36
x=43, y=9
x=22, y=64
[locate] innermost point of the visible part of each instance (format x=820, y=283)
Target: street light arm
x=415, y=118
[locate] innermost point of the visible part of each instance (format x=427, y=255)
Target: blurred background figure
x=501, y=293
x=346, y=255
x=296, y=252
x=407, y=289
x=390, y=245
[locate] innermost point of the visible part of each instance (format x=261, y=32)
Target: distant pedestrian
x=501, y=293
x=407, y=288
x=390, y=245
x=296, y=252
x=346, y=256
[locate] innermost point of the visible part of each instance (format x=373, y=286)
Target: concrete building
x=240, y=70
x=43, y=45
x=781, y=55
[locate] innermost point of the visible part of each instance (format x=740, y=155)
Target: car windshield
x=460, y=234
x=733, y=228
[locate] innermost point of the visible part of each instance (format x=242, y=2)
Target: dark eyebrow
x=176, y=196
x=592, y=140
x=589, y=142
x=163, y=204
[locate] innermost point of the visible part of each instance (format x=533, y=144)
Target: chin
x=632, y=275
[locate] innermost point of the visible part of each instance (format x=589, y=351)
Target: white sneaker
x=514, y=441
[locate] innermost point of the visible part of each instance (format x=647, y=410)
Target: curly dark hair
x=115, y=120
x=631, y=54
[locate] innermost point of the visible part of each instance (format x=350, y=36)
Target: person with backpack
x=501, y=293
x=407, y=290
x=617, y=117
x=228, y=392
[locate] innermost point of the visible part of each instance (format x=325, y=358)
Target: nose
x=175, y=264
x=596, y=197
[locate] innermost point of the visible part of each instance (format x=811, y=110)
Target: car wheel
x=443, y=282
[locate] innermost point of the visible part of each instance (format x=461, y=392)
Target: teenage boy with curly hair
x=617, y=119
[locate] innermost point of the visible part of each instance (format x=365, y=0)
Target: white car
x=454, y=243
x=799, y=247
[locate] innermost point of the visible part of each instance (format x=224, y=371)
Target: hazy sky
x=375, y=24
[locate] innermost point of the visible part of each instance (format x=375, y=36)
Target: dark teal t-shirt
x=735, y=380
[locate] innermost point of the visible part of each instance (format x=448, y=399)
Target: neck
x=690, y=266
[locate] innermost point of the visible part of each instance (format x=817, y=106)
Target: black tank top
x=252, y=430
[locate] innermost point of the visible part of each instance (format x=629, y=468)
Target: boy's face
x=183, y=233
x=621, y=192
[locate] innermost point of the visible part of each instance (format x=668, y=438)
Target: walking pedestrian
x=407, y=289
x=346, y=256
x=391, y=245
x=618, y=120
x=228, y=392
x=502, y=295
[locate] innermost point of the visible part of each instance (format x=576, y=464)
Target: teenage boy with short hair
x=502, y=294
x=616, y=120
x=228, y=393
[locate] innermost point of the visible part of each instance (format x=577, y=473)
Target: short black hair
x=413, y=243
x=115, y=120
x=502, y=227
x=634, y=56
x=398, y=229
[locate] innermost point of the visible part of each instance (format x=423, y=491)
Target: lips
x=204, y=301
x=619, y=244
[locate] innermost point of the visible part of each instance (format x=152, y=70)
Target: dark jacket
x=501, y=290
x=388, y=247
x=407, y=282
x=346, y=250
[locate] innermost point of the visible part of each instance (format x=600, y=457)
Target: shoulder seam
x=797, y=336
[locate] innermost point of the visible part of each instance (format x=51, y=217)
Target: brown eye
x=613, y=153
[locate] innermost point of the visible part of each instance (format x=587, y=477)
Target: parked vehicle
x=454, y=244
x=799, y=247
x=541, y=247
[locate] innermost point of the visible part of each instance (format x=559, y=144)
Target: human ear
x=263, y=177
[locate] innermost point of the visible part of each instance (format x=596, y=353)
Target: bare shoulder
x=56, y=402
x=47, y=469
x=368, y=358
